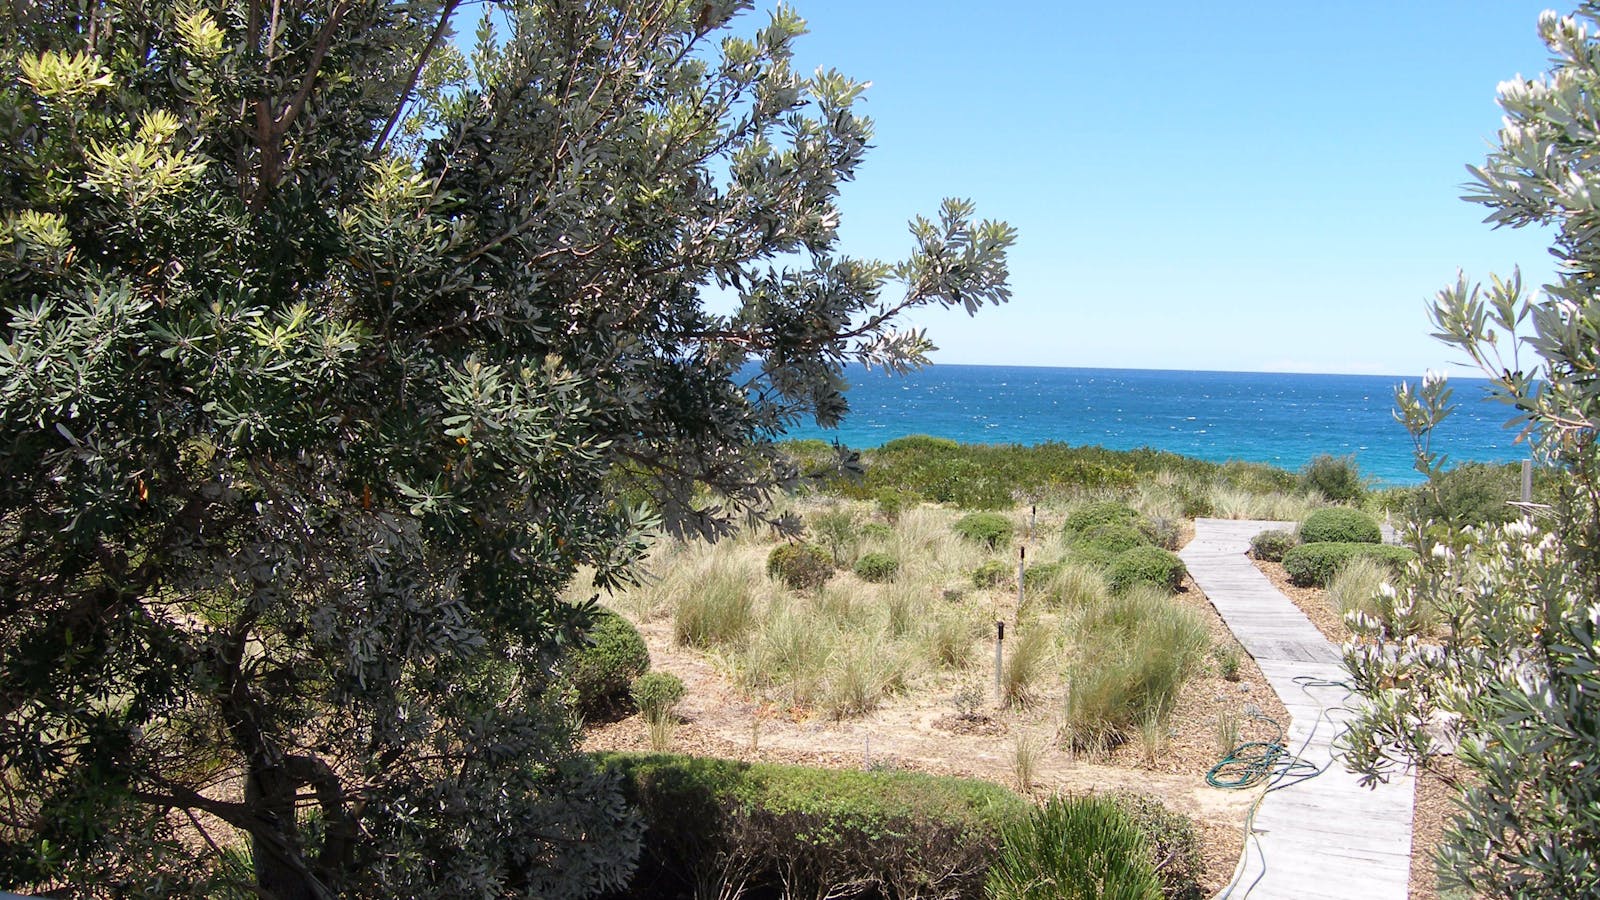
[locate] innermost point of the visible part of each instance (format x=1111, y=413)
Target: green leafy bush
x=1162, y=532
x=600, y=670
x=1094, y=515
x=800, y=566
x=1036, y=577
x=810, y=832
x=656, y=693
x=1336, y=478
x=1174, y=845
x=1272, y=545
x=877, y=567
x=1340, y=525
x=838, y=529
x=1100, y=544
x=1314, y=565
x=991, y=574
x=1146, y=565
x=989, y=529
x=877, y=531
x=891, y=502
x=1074, y=848
x=1470, y=494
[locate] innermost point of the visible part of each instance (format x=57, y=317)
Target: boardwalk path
x=1324, y=838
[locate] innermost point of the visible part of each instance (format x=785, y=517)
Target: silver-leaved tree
x=1513, y=676
x=330, y=353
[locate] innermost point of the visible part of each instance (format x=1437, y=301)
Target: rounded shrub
x=877, y=531
x=1038, y=575
x=1315, y=565
x=877, y=567
x=800, y=566
x=1272, y=545
x=1074, y=848
x=656, y=693
x=600, y=671
x=991, y=574
x=1340, y=525
x=1146, y=565
x=1162, y=532
x=1093, y=515
x=1109, y=540
x=1336, y=478
x=986, y=528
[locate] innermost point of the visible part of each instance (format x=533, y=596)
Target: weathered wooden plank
x=1320, y=838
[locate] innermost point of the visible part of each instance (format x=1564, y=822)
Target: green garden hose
x=1252, y=762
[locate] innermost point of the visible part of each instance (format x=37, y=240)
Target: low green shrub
x=1074, y=848
x=1038, y=577
x=600, y=670
x=1174, y=845
x=1340, y=525
x=1162, y=532
x=838, y=529
x=877, y=567
x=877, y=531
x=800, y=566
x=991, y=574
x=1314, y=565
x=1336, y=478
x=810, y=832
x=1470, y=494
x=1146, y=565
x=892, y=502
x=1103, y=543
x=1270, y=546
x=656, y=693
x=989, y=529
x=1096, y=514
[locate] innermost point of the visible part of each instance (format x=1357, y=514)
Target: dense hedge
x=1340, y=525
x=600, y=671
x=1314, y=565
x=794, y=831
x=992, y=476
x=1147, y=565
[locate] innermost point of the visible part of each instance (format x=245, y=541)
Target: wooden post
x=1022, y=568
x=1527, y=481
x=999, y=639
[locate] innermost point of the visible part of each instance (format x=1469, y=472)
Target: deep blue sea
x=1260, y=417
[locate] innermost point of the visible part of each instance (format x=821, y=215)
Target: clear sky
x=1197, y=185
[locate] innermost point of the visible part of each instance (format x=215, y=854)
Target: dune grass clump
x=1074, y=848
x=1026, y=664
x=1131, y=655
x=721, y=611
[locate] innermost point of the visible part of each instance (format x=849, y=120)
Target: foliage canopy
x=1515, y=681
x=329, y=350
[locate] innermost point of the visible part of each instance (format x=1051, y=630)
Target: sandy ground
x=915, y=731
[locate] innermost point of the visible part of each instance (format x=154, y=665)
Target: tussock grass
x=1132, y=654
x=1355, y=587
x=1027, y=662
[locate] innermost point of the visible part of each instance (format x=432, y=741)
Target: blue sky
x=1233, y=186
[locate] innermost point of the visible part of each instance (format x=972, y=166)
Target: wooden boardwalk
x=1321, y=838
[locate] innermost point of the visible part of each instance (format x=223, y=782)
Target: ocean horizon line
x=1445, y=368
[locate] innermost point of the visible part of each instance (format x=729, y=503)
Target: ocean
x=1274, y=418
